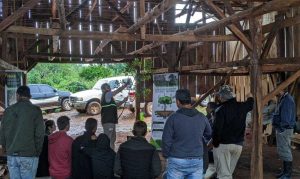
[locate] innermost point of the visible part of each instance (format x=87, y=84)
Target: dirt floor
x=271, y=162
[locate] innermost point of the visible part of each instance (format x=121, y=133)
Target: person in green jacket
x=22, y=135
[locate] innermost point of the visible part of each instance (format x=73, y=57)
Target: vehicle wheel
x=81, y=110
x=93, y=108
x=148, y=108
x=65, y=104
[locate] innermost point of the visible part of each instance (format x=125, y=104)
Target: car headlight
x=80, y=99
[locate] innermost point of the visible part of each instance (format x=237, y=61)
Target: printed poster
x=164, y=103
x=13, y=81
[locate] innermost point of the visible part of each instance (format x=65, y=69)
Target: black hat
x=24, y=91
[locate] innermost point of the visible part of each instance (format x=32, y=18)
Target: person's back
x=22, y=135
x=102, y=157
x=81, y=163
x=233, y=116
x=189, y=127
x=20, y=122
x=136, y=158
x=43, y=166
x=182, y=139
x=60, y=146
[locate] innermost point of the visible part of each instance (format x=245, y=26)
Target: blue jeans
x=22, y=167
x=184, y=168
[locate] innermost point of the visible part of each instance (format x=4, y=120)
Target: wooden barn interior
x=250, y=44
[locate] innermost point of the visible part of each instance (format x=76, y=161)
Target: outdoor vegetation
x=74, y=77
x=77, y=77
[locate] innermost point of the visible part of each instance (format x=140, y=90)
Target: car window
x=130, y=86
x=46, y=89
x=114, y=84
x=34, y=89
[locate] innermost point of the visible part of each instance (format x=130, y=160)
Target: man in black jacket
x=136, y=158
x=81, y=163
x=228, y=131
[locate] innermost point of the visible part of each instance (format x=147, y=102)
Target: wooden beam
x=95, y=35
x=61, y=14
x=123, y=10
x=266, y=28
x=105, y=42
x=271, y=65
x=153, y=14
x=255, y=71
x=17, y=14
x=233, y=28
x=78, y=61
x=124, y=17
x=271, y=36
x=142, y=14
x=91, y=9
x=275, y=5
x=211, y=90
x=281, y=87
x=76, y=56
x=7, y=66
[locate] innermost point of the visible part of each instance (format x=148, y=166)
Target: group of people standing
x=35, y=148
x=189, y=137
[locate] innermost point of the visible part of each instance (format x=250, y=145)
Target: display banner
x=13, y=80
x=164, y=103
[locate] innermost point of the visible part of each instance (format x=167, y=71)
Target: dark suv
x=48, y=97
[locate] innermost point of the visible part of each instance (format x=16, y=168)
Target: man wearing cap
x=109, y=111
x=60, y=150
x=228, y=131
x=182, y=140
x=284, y=121
x=22, y=135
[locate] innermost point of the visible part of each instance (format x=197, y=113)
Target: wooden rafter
x=268, y=65
x=265, y=29
x=105, y=42
x=91, y=9
x=61, y=14
x=153, y=14
x=281, y=87
x=271, y=36
x=17, y=14
x=274, y=5
x=123, y=16
x=123, y=10
x=95, y=35
x=233, y=28
x=76, y=56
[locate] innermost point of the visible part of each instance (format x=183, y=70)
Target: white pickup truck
x=89, y=101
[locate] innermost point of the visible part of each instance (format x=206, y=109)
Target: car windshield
x=116, y=83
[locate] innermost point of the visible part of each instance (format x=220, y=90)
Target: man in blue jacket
x=284, y=121
x=182, y=140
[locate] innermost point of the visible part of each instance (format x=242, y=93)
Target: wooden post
x=142, y=14
x=256, y=89
x=138, y=93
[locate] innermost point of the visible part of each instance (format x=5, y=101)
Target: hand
x=125, y=99
x=210, y=144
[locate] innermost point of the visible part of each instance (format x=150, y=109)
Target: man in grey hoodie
x=182, y=140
